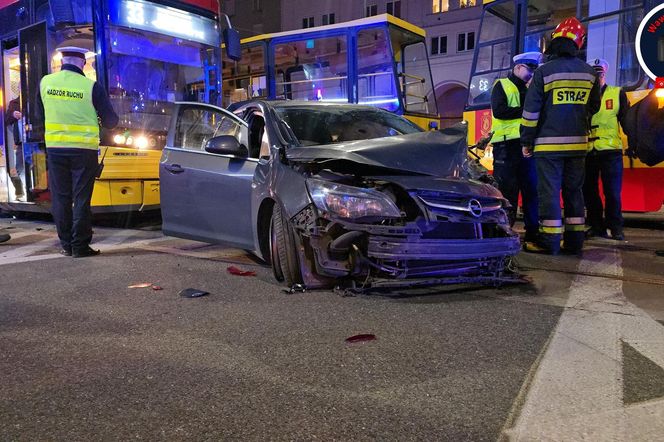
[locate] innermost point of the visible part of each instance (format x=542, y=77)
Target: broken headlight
x=351, y=202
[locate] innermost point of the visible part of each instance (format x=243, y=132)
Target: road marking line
x=20, y=234
x=115, y=238
x=29, y=249
x=576, y=392
x=29, y=258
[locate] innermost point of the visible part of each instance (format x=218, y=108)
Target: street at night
x=577, y=350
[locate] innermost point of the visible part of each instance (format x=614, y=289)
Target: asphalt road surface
x=576, y=354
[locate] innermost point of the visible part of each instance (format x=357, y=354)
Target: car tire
x=283, y=249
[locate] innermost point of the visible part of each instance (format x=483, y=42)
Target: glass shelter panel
x=376, y=84
x=314, y=69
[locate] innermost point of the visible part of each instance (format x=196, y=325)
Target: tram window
x=497, y=22
x=493, y=57
x=547, y=14
x=481, y=85
x=376, y=84
x=613, y=39
x=312, y=69
x=246, y=78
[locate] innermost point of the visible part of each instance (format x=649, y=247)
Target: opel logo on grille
x=475, y=208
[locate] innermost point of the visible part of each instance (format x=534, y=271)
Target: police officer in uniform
x=562, y=97
x=605, y=152
x=72, y=106
x=513, y=172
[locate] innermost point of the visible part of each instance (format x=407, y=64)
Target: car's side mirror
x=226, y=145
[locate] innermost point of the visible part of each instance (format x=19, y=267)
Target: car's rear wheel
x=283, y=249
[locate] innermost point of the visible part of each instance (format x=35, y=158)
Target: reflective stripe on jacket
x=504, y=130
x=70, y=117
x=604, y=130
x=562, y=97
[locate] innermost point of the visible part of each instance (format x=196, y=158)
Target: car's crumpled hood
x=438, y=153
x=462, y=187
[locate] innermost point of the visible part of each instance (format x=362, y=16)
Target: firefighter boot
x=573, y=242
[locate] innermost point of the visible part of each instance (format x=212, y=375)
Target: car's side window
x=195, y=126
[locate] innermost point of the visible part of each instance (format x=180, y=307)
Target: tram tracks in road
x=652, y=281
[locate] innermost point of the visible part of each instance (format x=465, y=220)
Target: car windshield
x=317, y=125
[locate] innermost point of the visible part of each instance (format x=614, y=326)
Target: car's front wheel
x=283, y=249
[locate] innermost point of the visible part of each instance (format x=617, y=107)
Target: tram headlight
x=141, y=142
x=129, y=141
x=119, y=139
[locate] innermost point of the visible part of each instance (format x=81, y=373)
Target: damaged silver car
x=334, y=194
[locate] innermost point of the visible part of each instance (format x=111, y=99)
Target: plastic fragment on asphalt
x=156, y=287
x=361, y=338
x=141, y=285
x=295, y=288
x=238, y=272
x=193, y=293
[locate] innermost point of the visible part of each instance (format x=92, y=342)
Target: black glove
x=631, y=152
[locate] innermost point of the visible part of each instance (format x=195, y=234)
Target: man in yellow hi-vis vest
x=605, y=152
x=512, y=171
x=72, y=106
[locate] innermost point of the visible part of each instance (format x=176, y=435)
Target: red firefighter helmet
x=571, y=28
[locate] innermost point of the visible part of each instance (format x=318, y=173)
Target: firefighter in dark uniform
x=513, y=172
x=72, y=106
x=561, y=99
x=605, y=152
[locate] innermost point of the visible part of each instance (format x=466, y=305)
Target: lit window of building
x=440, y=6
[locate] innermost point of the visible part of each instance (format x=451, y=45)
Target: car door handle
x=174, y=168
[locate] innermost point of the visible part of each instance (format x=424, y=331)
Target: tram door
x=11, y=167
x=33, y=58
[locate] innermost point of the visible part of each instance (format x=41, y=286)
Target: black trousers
x=608, y=165
x=556, y=173
x=515, y=174
x=71, y=177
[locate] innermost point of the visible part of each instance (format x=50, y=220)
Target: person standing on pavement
x=72, y=106
x=563, y=96
x=605, y=152
x=513, y=172
x=12, y=119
